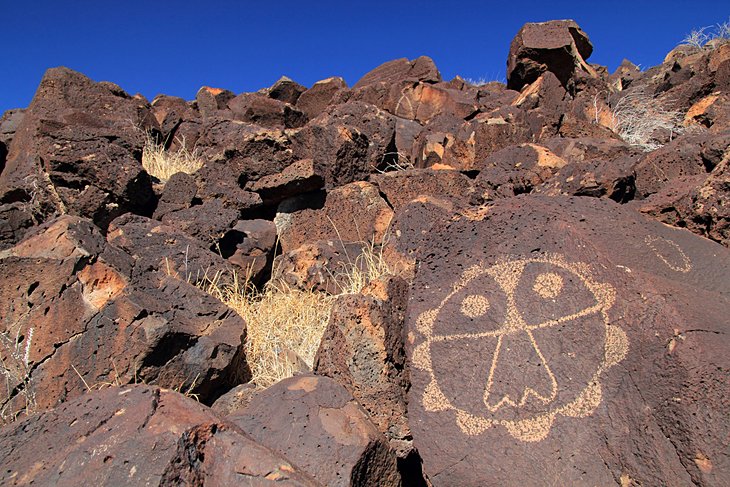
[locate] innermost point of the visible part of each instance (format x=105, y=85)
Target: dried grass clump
x=284, y=324
x=15, y=369
x=643, y=121
x=699, y=38
x=162, y=163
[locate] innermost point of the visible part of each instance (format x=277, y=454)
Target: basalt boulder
x=317, y=424
x=558, y=46
x=138, y=435
x=92, y=313
x=78, y=150
x=568, y=340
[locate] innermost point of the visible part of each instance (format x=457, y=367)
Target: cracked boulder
x=568, y=340
x=558, y=46
x=86, y=313
x=400, y=187
x=316, y=99
x=138, y=435
x=318, y=425
x=363, y=349
x=352, y=213
x=78, y=150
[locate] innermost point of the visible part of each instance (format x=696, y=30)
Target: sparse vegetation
x=284, y=324
x=643, y=121
x=163, y=163
x=16, y=370
x=699, y=38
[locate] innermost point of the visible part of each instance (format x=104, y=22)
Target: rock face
x=78, y=150
x=92, y=313
x=531, y=316
x=137, y=435
x=582, y=339
x=318, y=425
x=558, y=46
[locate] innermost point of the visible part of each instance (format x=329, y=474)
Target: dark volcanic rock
x=286, y=90
x=316, y=99
x=137, y=435
x=363, y=349
x=301, y=177
x=688, y=155
x=264, y=111
x=93, y=313
x=78, y=150
x=420, y=69
x=317, y=424
x=212, y=100
x=569, y=340
x=400, y=187
x=320, y=266
x=558, y=46
x=352, y=213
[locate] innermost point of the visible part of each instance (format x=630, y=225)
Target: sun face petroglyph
x=517, y=344
x=670, y=253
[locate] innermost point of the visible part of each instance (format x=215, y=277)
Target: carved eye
x=548, y=285
x=474, y=306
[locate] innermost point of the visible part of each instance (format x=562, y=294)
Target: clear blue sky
x=174, y=47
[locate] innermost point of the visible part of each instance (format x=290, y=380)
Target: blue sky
x=174, y=47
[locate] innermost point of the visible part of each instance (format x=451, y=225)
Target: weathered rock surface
x=92, y=313
x=400, y=187
x=420, y=69
x=579, y=334
x=314, y=101
x=286, y=90
x=363, y=348
x=351, y=213
x=320, y=427
x=558, y=46
x=301, y=177
x=137, y=435
x=78, y=150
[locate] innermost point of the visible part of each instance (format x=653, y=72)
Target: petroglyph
x=532, y=338
x=670, y=253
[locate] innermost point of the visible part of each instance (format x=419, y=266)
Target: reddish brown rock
x=320, y=266
x=213, y=100
x=92, y=313
x=698, y=203
x=170, y=113
x=317, y=424
x=137, y=435
x=250, y=246
x=400, y=187
x=340, y=152
x=301, y=177
x=363, y=349
x=625, y=74
x=352, y=213
x=235, y=400
x=516, y=170
x=286, y=90
x=245, y=152
x=420, y=69
x=264, y=111
x=558, y=46
x=562, y=339
x=376, y=124
x=688, y=155
x=78, y=150
x=316, y=99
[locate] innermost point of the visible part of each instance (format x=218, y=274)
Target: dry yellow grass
x=162, y=163
x=284, y=324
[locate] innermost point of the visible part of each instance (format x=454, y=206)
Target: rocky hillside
x=520, y=284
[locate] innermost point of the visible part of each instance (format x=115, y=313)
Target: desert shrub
x=644, y=121
x=163, y=163
x=284, y=324
x=15, y=368
x=699, y=38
